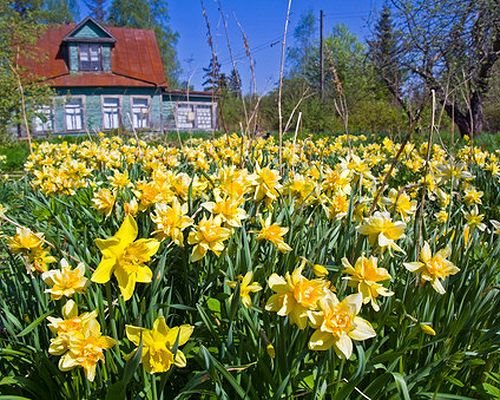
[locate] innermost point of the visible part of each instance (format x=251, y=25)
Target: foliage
x=320, y=209
x=23, y=94
x=151, y=14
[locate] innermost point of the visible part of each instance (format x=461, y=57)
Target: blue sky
x=262, y=21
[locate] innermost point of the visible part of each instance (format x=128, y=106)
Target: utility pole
x=321, y=57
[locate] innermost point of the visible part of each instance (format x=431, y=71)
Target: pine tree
x=383, y=51
x=234, y=84
x=97, y=9
x=212, y=76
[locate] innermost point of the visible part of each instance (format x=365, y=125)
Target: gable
x=89, y=30
x=134, y=56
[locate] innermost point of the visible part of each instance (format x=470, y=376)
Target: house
x=107, y=78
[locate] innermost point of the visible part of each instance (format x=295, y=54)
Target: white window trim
x=150, y=104
x=84, y=114
x=120, y=110
x=52, y=109
x=213, y=110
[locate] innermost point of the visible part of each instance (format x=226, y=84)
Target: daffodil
x=337, y=325
x=79, y=340
x=246, y=288
x=171, y=220
x=381, y=230
x=31, y=246
x=433, y=268
x=228, y=209
x=104, y=201
x=65, y=281
x=208, y=235
x=296, y=296
x=273, y=233
x=125, y=257
x=401, y=203
x=266, y=183
x=158, y=345
x=365, y=276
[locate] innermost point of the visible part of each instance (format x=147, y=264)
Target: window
x=111, y=112
x=204, y=116
x=140, y=112
x=73, y=111
x=44, y=120
x=194, y=116
x=90, y=57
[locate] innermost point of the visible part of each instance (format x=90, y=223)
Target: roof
x=135, y=60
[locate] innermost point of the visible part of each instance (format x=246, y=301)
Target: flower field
x=235, y=268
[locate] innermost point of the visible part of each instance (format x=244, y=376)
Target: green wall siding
x=92, y=100
x=73, y=57
x=106, y=57
x=90, y=30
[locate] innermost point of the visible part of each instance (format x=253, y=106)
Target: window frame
x=51, y=113
x=194, y=106
x=83, y=113
x=120, y=111
x=149, y=99
x=99, y=55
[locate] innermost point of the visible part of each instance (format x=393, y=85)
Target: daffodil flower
x=158, y=345
x=296, y=296
x=433, y=268
x=65, y=281
x=125, y=257
x=246, y=288
x=365, y=276
x=337, y=325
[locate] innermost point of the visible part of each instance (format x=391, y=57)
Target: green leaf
x=118, y=390
x=34, y=324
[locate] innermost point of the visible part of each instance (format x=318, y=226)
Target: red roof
x=135, y=60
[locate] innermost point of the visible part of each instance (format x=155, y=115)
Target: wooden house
x=107, y=78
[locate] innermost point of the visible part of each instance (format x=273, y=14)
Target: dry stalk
x=280, y=89
x=233, y=61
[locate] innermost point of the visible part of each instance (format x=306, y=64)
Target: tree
x=451, y=47
x=22, y=93
x=384, y=54
x=150, y=14
x=212, y=77
x=306, y=45
x=97, y=9
x=234, y=84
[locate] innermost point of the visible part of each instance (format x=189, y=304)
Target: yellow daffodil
x=125, y=257
x=427, y=329
x=86, y=349
x=266, y=183
x=246, y=288
x=158, y=345
x=208, y=235
x=79, y=340
x=296, y=296
x=381, y=230
x=31, y=246
x=273, y=233
x=228, y=209
x=433, y=268
x=104, y=201
x=171, y=220
x=337, y=325
x=401, y=203
x=119, y=180
x=65, y=281
x=365, y=276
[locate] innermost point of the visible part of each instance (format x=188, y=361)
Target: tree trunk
x=469, y=122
